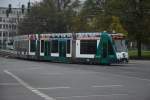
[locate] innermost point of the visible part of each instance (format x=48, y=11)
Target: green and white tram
x=93, y=48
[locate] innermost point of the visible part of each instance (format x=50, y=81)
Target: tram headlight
x=121, y=55
x=124, y=55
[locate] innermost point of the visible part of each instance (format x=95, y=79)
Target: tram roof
x=68, y=35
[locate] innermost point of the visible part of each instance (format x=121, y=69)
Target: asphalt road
x=30, y=80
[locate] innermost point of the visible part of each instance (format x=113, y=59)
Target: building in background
x=8, y=25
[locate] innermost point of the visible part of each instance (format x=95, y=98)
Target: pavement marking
x=143, y=79
x=105, y=95
x=23, y=69
x=53, y=88
x=52, y=73
x=127, y=76
x=26, y=85
x=99, y=86
x=137, y=78
x=33, y=68
x=67, y=72
x=9, y=84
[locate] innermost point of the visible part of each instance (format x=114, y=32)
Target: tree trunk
x=139, y=43
x=73, y=48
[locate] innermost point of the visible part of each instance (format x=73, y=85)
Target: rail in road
x=7, y=53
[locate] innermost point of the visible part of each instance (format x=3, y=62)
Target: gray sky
x=16, y=3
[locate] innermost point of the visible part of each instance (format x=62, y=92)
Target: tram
x=92, y=48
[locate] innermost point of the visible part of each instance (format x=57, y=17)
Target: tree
x=117, y=26
x=49, y=16
x=134, y=16
x=97, y=19
x=94, y=16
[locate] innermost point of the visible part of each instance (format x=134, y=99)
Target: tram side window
x=28, y=45
x=32, y=45
x=105, y=48
x=68, y=46
x=42, y=46
x=54, y=46
x=16, y=45
x=88, y=46
x=110, y=48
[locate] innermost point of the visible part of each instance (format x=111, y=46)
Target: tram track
x=7, y=53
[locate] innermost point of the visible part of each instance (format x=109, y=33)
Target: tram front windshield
x=120, y=45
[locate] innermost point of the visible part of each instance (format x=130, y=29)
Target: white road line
x=99, y=86
x=52, y=73
x=24, y=69
x=26, y=85
x=53, y=88
x=33, y=68
x=143, y=79
x=67, y=72
x=9, y=84
x=131, y=77
x=91, y=96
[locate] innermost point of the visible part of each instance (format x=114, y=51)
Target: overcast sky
x=16, y=3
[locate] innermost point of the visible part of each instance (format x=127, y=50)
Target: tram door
x=107, y=50
x=47, y=48
x=104, y=50
x=62, y=48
